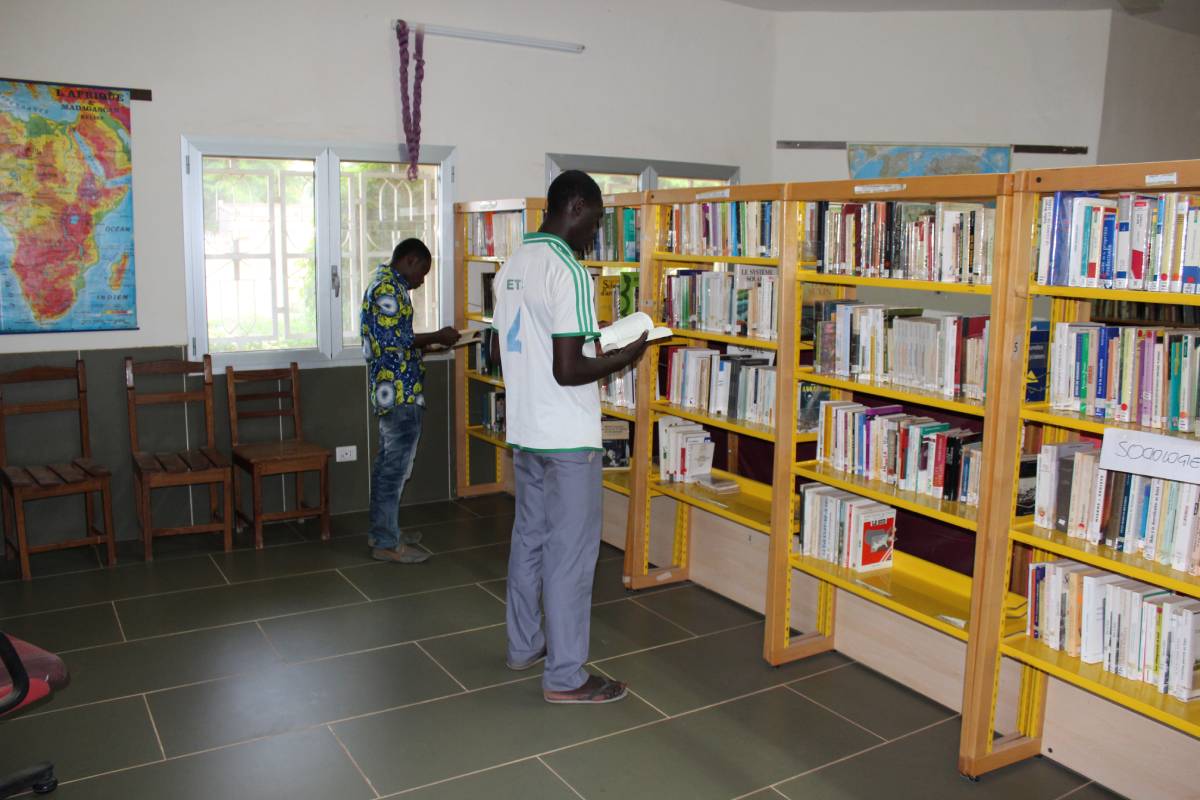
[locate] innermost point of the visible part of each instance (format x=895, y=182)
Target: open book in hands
x=626, y=331
x=466, y=336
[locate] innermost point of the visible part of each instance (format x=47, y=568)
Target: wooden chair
x=261, y=459
x=194, y=467
x=19, y=485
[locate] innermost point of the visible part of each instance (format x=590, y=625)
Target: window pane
x=615, y=182
x=381, y=208
x=690, y=183
x=260, y=247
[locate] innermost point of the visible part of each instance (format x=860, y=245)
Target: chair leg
x=89, y=514
x=325, y=500
x=10, y=552
x=256, y=491
x=235, y=477
x=147, y=523
x=215, y=500
x=22, y=543
x=109, y=532
x=227, y=518
x=298, y=477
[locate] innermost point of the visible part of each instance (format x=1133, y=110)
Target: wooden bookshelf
x=999, y=532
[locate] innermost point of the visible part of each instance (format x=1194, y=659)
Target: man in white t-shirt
x=545, y=318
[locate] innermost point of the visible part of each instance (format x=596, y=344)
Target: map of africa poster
x=66, y=209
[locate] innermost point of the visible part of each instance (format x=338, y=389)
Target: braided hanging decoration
x=410, y=110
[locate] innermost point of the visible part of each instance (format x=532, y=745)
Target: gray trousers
x=555, y=543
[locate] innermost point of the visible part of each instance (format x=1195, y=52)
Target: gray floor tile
x=432, y=513
x=698, y=610
x=477, y=658
x=607, y=551
x=183, y=611
x=447, y=536
x=353, y=523
x=525, y=780
x=399, y=619
x=1094, y=791
x=146, y=665
x=294, y=559
x=66, y=630
x=699, y=672
x=697, y=756
x=461, y=567
x=203, y=544
x=286, y=698
x=924, y=765
x=102, y=585
x=765, y=794
x=55, y=562
x=490, y=505
x=301, y=766
x=475, y=731
x=873, y=701
x=81, y=741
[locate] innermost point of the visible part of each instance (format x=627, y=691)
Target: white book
x=626, y=331
x=1091, y=641
x=1185, y=684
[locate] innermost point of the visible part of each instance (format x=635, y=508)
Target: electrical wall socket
x=347, y=453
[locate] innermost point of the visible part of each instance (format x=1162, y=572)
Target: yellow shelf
x=475, y=316
x=618, y=412
x=1081, y=293
x=726, y=338
x=1098, y=555
x=811, y=276
x=1134, y=695
x=479, y=377
x=802, y=437
x=484, y=435
x=591, y=262
x=617, y=480
x=725, y=423
x=934, y=596
x=485, y=259
x=893, y=392
x=750, y=507
x=805, y=346
x=1041, y=412
x=954, y=513
x=681, y=258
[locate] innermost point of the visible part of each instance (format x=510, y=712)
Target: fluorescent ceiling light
x=499, y=38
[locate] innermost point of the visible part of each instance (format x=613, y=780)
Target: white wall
x=1152, y=94
x=654, y=82
x=1028, y=77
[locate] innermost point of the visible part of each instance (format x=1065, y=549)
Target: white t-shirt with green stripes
x=542, y=293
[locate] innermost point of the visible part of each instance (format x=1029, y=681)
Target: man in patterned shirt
x=395, y=375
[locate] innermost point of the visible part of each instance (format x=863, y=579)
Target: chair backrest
x=286, y=401
x=40, y=375
x=183, y=369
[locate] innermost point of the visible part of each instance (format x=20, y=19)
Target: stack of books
x=685, y=451
x=1135, y=241
x=737, y=229
x=1156, y=518
x=911, y=452
x=1134, y=630
x=947, y=242
x=740, y=302
x=1145, y=375
x=483, y=354
x=738, y=386
x=495, y=233
x=924, y=349
x=617, y=238
x=845, y=529
x=614, y=434
x=493, y=412
x=620, y=388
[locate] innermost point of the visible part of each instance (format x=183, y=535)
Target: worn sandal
x=594, y=690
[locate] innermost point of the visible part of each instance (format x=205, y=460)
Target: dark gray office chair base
x=39, y=777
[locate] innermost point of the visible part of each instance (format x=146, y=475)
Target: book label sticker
x=880, y=188
x=716, y=195
x=1151, y=454
x=1163, y=179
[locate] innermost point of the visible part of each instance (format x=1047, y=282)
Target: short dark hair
x=411, y=247
x=569, y=185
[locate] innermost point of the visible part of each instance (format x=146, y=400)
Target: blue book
x=1060, y=245
x=1105, y=335
x=1108, y=236
x=1035, y=373
x=1190, y=268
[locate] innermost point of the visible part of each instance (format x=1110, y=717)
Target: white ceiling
x=1180, y=14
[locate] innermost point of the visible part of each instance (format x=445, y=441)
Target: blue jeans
x=399, y=432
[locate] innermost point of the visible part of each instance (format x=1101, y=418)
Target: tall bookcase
x=1001, y=531
x=751, y=504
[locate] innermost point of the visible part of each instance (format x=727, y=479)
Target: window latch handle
x=335, y=281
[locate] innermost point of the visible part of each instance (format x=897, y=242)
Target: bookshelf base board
x=1006, y=751
x=801, y=647
x=658, y=576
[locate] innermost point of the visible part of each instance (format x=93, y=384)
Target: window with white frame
x=282, y=239
x=619, y=175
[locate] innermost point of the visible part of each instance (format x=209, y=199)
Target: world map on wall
x=909, y=160
x=66, y=209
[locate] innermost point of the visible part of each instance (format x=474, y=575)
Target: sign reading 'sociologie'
x=1151, y=454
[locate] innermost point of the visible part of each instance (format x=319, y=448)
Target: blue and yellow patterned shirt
x=395, y=371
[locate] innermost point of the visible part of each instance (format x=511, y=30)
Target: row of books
x=1156, y=518
x=618, y=237
x=1134, y=241
x=948, y=242
x=845, y=529
x=620, y=389
x=493, y=411
x=483, y=354
x=913, y=453
x=1133, y=630
x=1145, y=375
x=809, y=397
x=616, y=442
x=737, y=386
x=748, y=228
x=495, y=233
x=685, y=450
x=742, y=301
x=924, y=349
x=616, y=295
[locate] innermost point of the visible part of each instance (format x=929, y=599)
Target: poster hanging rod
x=497, y=38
